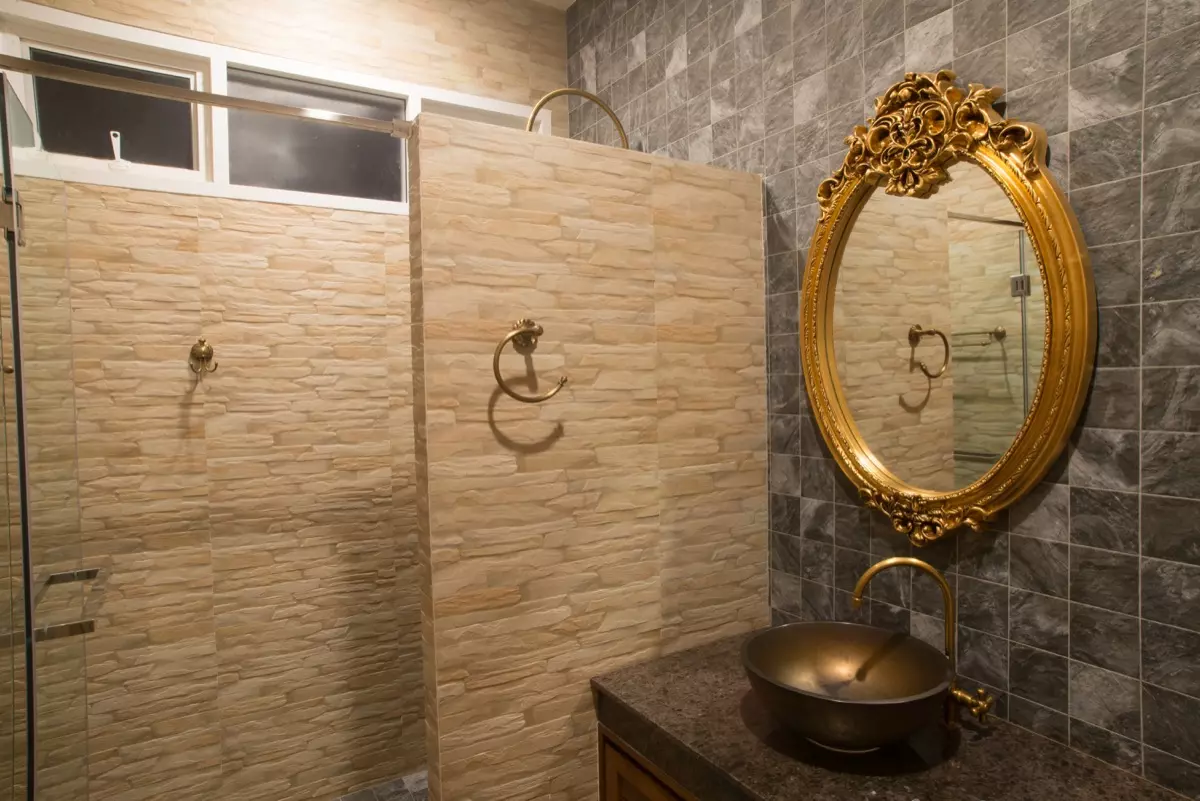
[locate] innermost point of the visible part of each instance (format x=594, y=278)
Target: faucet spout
x=978, y=704
x=947, y=596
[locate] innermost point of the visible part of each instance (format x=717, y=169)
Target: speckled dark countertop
x=693, y=715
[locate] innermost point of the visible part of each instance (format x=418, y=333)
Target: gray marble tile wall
x=1081, y=608
x=414, y=787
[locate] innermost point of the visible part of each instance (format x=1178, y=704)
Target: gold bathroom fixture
x=997, y=334
x=847, y=687
x=978, y=704
x=924, y=125
x=200, y=356
x=524, y=337
x=584, y=94
x=914, y=338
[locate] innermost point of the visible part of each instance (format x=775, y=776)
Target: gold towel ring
x=581, y=93
x=914, y=338
x=524, y=337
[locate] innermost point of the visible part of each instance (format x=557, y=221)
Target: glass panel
x=14, y=125
x=305, y=156
x=987, y=347
x=78, y=120
x=43, y=396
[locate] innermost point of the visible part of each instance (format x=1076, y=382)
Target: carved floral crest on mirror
x=948, y=318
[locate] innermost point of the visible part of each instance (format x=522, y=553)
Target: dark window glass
x=307, y=156
x=77, y=119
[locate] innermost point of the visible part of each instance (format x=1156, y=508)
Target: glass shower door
x=16, y=656
x=57, y=593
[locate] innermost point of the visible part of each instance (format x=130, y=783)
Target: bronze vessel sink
x=847, y=686
x=851, y=687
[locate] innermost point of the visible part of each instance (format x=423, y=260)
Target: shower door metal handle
x=65, y=577
x=56, y=631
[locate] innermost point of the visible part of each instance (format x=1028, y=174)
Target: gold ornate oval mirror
x=948, y=313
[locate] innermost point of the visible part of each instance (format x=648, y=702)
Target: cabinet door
x=625, y=780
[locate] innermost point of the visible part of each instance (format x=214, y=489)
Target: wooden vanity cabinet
x=626, y=776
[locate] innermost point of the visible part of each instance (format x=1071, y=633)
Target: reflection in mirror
x=933, y=283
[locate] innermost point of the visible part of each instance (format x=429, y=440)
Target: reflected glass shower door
x=996, y=338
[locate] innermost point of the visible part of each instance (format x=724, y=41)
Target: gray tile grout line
x=1091, y=665
x=1141, y=389
x=1070, y=8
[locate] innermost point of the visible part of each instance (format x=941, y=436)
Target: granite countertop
x=692, y=714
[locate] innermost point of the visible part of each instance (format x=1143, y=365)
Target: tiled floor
x=409, y=788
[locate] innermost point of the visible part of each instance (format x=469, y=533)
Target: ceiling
x=561, y=5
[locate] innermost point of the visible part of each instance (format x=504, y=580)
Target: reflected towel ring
x=524, y=337
x=914, y=338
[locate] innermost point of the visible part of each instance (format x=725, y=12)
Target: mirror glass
x=938, y=326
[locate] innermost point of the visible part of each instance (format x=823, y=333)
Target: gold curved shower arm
x=586, y=95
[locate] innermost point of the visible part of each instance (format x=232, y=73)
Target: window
x=223, y=152
x=77, y=120
x=308, y=156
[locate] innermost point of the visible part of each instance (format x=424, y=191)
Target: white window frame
x=201, y=129
x=24, y=24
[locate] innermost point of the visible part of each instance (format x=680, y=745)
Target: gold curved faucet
x=978, y=704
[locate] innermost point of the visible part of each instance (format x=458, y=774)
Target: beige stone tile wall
x=311, y=583
x=513, y=50
x=49, y=398
x=257, y=632
x=624, y=517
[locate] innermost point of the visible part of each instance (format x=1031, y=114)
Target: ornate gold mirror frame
x=922, y=125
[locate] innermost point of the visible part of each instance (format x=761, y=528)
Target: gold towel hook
x=199, y=357
x=914, y=338
x=584, y=94
x=524, y=337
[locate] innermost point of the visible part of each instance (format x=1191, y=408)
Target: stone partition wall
x=258, y=607
x=1081, y=605
x=625, y=517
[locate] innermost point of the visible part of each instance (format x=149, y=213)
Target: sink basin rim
x=749, y=665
